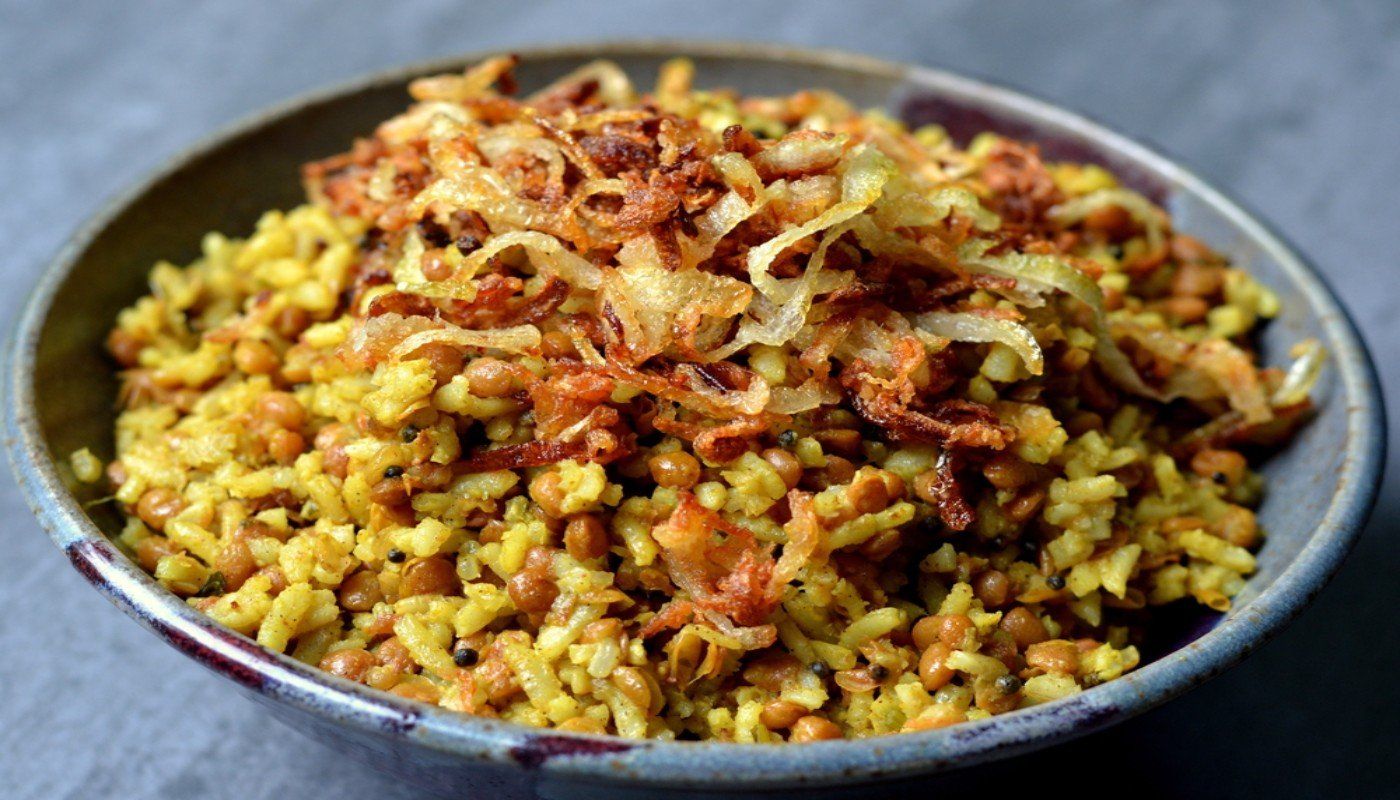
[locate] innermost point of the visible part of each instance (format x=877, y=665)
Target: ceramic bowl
x=60, y=391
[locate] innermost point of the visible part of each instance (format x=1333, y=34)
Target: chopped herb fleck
x=214, y=585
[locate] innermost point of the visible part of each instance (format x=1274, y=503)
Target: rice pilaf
x=697, y=415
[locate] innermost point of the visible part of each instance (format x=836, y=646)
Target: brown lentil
x=150, y=550
x=867, y=495
x=1005, y=471
x=926, y=631
x=934, y=673
x=582, y=725
x=548, y=494
x=678, y=470
x=840, y=441
x=157, y=506
x=557, y=344
x=785, y=464
x=389, y=491
x=1186, y=310
x=531, y=591
x=837, y=471
x=235, y=563
x=953, y=630
x=281, y=409
x=1054, y=656
x=284, y=446
x=433, y=575
x=255, y=357
x=631, y=682
x=350, y=664
x=417, y=689
x=445, y=360
x=1236, y=525
x=1196, y=280
x=360, y=591
x=1023, y=626
x=814, y=729
x=993, y=588
x=585, y=538
x=489, y=377
x=780, y=714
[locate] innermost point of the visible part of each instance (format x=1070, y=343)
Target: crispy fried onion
x=879, y=382
x=538, y=453
x=1152, y=219
x=547, y=253
x=813, y=393
x=573, y=394
x=1302, y=376
x=884, y=347
x=475, y=81
x=392, y=335
x=572, y=421
x=1216, y=369
x=863, y=180
x=542, y=305
x=671, y=312
x=949, y=496
x=1233, y=374
x=1038, y=275
x=601, y=81
x=717, y=563
x=776, y=322
x=1022, y=188
x=717, y=444
x=374, y=337
x=974, y=327
x=801, y=152
x=519, y=339
x=697, y=387
x=602, y=446
x=733, y=582
x=745, y=198
x=950, y=422
x=713, y=627
x=806, y=541
x=463, y=184
x=673, y=615
x=913, y=209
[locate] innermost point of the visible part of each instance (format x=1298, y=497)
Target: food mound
x=699, y=416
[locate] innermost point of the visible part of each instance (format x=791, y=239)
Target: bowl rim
x=712, y=765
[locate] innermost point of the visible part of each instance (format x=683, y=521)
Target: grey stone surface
x=1293, y=107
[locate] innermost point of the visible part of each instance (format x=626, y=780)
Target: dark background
x=1292, y=107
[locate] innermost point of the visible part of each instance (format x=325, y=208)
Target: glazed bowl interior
x=61, y=391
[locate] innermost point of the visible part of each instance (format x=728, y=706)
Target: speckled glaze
x=59, y=393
